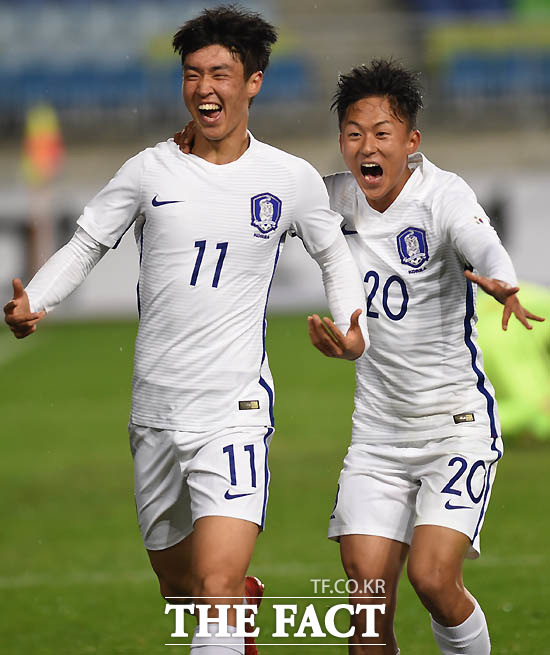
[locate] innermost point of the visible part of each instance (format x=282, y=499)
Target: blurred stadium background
x=85, y=85
x=108, y=72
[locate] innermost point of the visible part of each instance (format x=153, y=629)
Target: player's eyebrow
x=384, y=122
x=354, y=123
x=212, y=69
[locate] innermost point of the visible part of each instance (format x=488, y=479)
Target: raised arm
x=18, y=315
x=478, y=244
x=347, y=337
x=318, y=226
x=58, y=278
x=103, y=222
x=507, y=296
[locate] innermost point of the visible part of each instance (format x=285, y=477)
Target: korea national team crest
x=266, y=212
x=413, y=247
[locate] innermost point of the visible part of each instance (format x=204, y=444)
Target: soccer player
x=426, y=437
x=209, y=227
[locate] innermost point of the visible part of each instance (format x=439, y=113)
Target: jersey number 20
x=393, y=279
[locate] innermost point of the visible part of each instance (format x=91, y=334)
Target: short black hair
x=243, y=32
x=382, y=77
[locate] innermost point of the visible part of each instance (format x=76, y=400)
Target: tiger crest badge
x=412, y=247
x=266, y=212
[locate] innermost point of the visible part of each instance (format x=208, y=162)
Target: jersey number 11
x=201, y=245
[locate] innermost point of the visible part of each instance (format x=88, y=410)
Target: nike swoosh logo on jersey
x=449, y=506
x=159, y=203
x=229, y=496
x=346, y=231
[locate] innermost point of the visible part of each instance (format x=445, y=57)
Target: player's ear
x=340, y=141
x=414, y=141
x=254, y=84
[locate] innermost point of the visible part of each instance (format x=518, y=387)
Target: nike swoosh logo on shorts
x=159, y=203
x=449, y=506
x=229, y=496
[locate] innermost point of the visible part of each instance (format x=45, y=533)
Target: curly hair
x=244, y=33
x=382, y=77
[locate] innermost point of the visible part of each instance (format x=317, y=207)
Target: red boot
x=253, y=591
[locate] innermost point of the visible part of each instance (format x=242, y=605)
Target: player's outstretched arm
x=332, y=342
x=186, y=137
x=18, y=315
x=506, y=295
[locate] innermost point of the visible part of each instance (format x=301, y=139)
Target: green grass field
x=74, y=577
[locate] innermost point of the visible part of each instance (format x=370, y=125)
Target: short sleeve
x=114, y=209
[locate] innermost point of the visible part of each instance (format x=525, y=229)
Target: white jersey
x=423, y=375
x=209, y=238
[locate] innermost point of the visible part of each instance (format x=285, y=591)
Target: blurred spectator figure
x=43, y=146
x=43, y=154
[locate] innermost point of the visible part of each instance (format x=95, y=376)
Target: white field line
x=136, y=577
x=28, y=580
x=493, y=561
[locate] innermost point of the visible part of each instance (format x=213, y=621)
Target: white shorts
x=180, y=477
x=387, y=490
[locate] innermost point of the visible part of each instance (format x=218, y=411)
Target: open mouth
x=210, y=111
x=371, y=172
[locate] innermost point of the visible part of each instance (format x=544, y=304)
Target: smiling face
x=216, y=92
x=375, y=145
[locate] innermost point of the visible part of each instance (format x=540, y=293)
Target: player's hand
x=507, y=295
x=186, y=137
x=18, y=313
x=327, y=338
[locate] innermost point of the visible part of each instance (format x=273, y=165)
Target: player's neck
x=222, y=151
